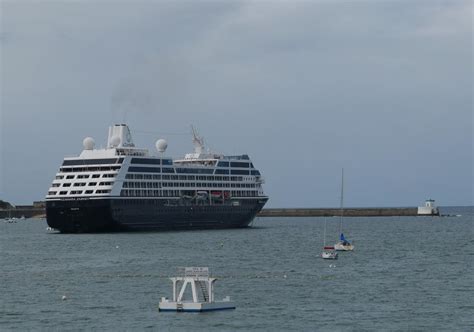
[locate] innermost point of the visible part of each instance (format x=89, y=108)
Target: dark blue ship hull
x=117, y=214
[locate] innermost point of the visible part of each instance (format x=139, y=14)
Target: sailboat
x=328, y=251
x=9, y=219
x=343, y=244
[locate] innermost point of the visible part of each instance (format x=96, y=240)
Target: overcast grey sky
x=381, y=88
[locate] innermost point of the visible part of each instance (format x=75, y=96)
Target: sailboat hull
x=343, y=247
x=329, y=255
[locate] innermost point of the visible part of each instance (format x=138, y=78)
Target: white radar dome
x=88, y=143
x=161, y=145
x=115, y=141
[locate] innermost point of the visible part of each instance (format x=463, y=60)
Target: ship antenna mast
x=198, y=141
x=342, y=200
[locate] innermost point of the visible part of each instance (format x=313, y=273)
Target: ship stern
x=80, y=216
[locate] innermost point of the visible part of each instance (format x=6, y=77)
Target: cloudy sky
x=381, y=88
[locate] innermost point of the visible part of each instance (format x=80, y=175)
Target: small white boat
x=9, y=219
x=202, y=291
x=329, y=253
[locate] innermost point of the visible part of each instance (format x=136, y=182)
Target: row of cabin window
x=182, y=170
x=192, y=170
x=79, y=192
x=149, y=193
x=240, y=193
x=234, y=164
x=208, y=185
x=153, y=161
x=92, y=161
x=195, y=170
x=85, y=176
x=88, y=169
x=83, y=184
x=151, y=169
x=175, y=193
x=183, y=177
x=237, y=172
x=129, y=184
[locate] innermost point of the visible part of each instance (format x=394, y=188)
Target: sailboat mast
x=342, y=200
x=324, y=237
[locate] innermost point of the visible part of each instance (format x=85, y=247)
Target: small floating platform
x=202, y=293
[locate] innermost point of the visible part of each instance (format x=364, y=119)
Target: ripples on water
x=406, y=273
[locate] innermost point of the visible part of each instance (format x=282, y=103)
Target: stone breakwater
x=333, y=212
x=22, y=212
x=29, y=212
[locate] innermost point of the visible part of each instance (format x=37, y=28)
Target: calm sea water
x=406, y=273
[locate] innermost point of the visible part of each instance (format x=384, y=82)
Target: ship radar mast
x=198, y=141
x=199, y=153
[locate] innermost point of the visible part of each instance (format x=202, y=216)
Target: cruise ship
x=125, y=188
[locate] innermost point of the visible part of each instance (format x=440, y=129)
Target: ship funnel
x=119, y=137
